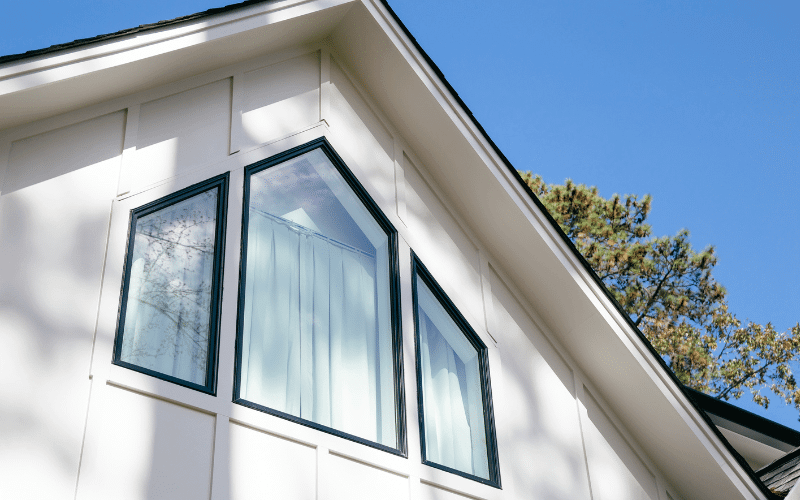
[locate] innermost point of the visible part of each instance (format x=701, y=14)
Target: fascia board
x=82, y=82
x=50, y=68
x=500, y=168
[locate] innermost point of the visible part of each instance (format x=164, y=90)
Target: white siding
x=280, y=99
x=442, y=245
x=54, y=213
x=363, y=135
x=616, y=472
x=263, y=465
x=431, y=492
x=159, y=440
x=181, y=132
x=147, y=448
x=349, y=480
x=538, y=416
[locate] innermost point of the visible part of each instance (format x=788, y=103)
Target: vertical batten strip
x=220, y=470
x=400, y=180
x=409, y=353
x=583, y=419
x=414, y=488
x=5, y=152
x=127, y=165
x=89, y=472
x=230, y=289
x=325, y=84
x=488, y=300
x=237, y=104
x=323, y=470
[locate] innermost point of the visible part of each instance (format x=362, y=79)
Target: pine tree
x=668, y=290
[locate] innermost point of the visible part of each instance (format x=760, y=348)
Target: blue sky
x=695, y=103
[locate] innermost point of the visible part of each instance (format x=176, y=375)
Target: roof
x=122, y=33
x=512, y=173
x=782, y=474
x=744, y=419
x=582, y=259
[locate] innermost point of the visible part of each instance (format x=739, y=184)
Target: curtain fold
x=452, y=399
x=310, y=339
x=447, y=430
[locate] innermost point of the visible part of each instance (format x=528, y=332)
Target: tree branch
x=741, y=380
x=652, y=298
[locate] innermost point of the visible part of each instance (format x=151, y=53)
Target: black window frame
x=419, y=269
x=394, y=295
x=220, y=183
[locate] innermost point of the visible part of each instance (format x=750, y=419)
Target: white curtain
x=169, y=290
x=310, y=341
x=452, y=399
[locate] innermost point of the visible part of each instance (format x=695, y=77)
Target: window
x=456, y=419
x=168, y=319
x=318, y=317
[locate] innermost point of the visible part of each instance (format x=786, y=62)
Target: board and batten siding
x=55, y=203
x=98, y=431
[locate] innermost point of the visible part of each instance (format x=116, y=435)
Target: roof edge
x=745, y=418
x=587, y=267
x=777, y=463
x=129, y=31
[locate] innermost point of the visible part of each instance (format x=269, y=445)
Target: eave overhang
x=50, y=82
x=475, y=178
x=759, y=440
x=485, y=189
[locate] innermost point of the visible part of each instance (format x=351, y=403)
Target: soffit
x=755, y=452
x=61, y=81
x=745, y=423
x=520, y=239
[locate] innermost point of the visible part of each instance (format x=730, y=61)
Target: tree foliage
x=668, y=290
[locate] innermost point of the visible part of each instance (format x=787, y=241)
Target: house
x=266, y=251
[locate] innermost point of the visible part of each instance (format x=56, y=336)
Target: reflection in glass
x=316, y=339
x=452, y=402
x=168, y=306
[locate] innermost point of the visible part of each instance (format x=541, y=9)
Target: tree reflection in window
x=166, y=321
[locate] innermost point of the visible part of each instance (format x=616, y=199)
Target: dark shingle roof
x=122, y=33
x=745, y=418
x=783, y=473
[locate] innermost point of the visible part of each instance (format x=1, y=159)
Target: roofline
x=745, y=418
x=779, y=462
x=123, y=33
x=587, y=267
x=513, y=171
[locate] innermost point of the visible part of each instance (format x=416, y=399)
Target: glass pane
x=168, y=308
x=452, y=400
x=316, y=335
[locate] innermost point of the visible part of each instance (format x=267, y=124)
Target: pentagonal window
x=317, y=318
